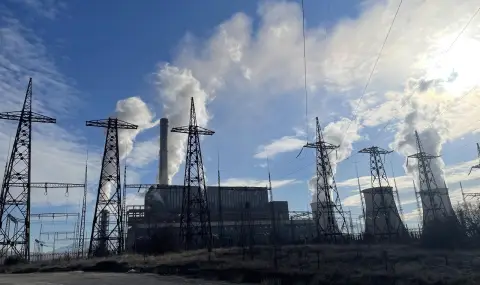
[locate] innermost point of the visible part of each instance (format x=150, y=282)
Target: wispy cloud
x=45, y=8
x=57, y=154
x=282, y=145
x=257, y=183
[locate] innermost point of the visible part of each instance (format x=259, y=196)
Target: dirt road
x=89, y=278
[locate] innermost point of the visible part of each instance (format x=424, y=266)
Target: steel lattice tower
x=383, y=209
x=81, y=237
x=105, y=240
x=15, y=199
x=195, y=227
x=478, y=165
x=327, y=228
x=428, y=183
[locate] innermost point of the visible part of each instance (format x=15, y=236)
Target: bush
x=159, y=242
x=13, y=260
x=446, y=233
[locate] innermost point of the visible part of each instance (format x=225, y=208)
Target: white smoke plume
x=176, y=86
x=131, y=110
x=334, y=133
x=424, y=115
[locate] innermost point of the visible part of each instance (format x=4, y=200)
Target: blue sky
x=243, y=63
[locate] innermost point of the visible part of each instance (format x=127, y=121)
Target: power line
x=305, y=70
x=403, y=105
x=372, y=71
x=443, y=53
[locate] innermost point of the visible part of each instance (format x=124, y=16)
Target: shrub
x=13, y=260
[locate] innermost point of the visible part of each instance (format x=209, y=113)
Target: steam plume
x=424, y=116
x=176, y=87
x=132, y=110
x=334, y=133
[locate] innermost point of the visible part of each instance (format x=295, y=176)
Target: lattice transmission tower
x=195, y=227
x=16, y=190
x=81, y=232
x=328, y=202
x=432, y=200
x=384, y=217
x=107, y=227
x=477, y=166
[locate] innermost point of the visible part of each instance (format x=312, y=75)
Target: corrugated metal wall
x=170, y=197
x=163, y=200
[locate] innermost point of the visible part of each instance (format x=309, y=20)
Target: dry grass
x=326, y=264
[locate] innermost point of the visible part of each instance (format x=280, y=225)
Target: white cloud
x=144, y=153
x=284, y=144
x=58, y=155
x=256, y=182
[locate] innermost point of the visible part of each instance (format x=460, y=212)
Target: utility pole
x=400, y=207
x=273, y=233
x=81, y=238
x=15, y=201
x=220, y=212
x=417, y=198
x=124, y=206
x=195, y=226
x=360, y=191
x=106, y=240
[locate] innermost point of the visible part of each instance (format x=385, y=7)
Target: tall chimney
x=163, y=164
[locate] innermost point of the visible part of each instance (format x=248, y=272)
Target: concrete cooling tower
x=327, y=218
x=436, y=210
x=381, y=214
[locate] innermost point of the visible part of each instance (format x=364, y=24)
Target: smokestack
x=163, y=159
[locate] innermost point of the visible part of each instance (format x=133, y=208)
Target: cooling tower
x=429, y=209
x=103, y=244
x=381, y=214
x=327, y=218
x=163, y=159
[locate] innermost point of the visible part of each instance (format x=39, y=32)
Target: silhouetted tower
x=81, y=231
x=478, y=155
x=432, y=200
x=326, y=206
x=399, y=202
x=124, y=205
x=382, y=215
x=107, y=228
x=15, y=199
x=419, y=204
x=220, y=210
x=360, y=190
x=273, y=220
x=195, y=227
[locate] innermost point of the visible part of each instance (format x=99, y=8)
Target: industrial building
x=238, y=206
x=230, y=207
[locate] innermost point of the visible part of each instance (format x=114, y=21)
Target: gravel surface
x=88, y=278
